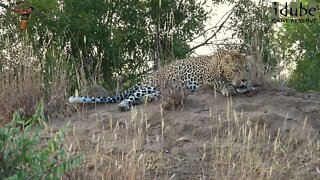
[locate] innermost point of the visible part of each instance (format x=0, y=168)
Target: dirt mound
x=193, y=142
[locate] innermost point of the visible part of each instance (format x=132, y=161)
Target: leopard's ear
x=227, y=59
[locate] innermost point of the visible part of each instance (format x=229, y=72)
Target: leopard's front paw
x=124, y=105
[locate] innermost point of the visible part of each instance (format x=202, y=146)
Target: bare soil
x=179, y=144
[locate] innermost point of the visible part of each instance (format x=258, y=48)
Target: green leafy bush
x=299, y=43
x=306, y=76
x=25, y=154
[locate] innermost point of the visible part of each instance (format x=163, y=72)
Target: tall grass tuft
x=29, y=72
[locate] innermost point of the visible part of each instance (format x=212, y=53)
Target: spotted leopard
x=225, y=71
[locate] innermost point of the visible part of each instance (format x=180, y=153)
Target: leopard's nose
x=243, y=83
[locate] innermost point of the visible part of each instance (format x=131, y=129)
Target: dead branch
x=218, y=30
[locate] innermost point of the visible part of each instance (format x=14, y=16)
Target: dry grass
x=248, y=150
x=24, y=92
x=174, y=96
x=106, y=160
x=24, y=81
x=238, y=148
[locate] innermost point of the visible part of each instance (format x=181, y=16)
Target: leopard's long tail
x=109, y=99
x=85, y=99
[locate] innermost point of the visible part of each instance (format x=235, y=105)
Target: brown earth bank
x=271, y=133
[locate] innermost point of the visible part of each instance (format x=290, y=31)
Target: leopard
x=226, y=71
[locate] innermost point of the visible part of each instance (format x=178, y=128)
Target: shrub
x=306, y=77
x=25, y=154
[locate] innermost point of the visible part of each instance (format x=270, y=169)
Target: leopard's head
x=235, y=69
